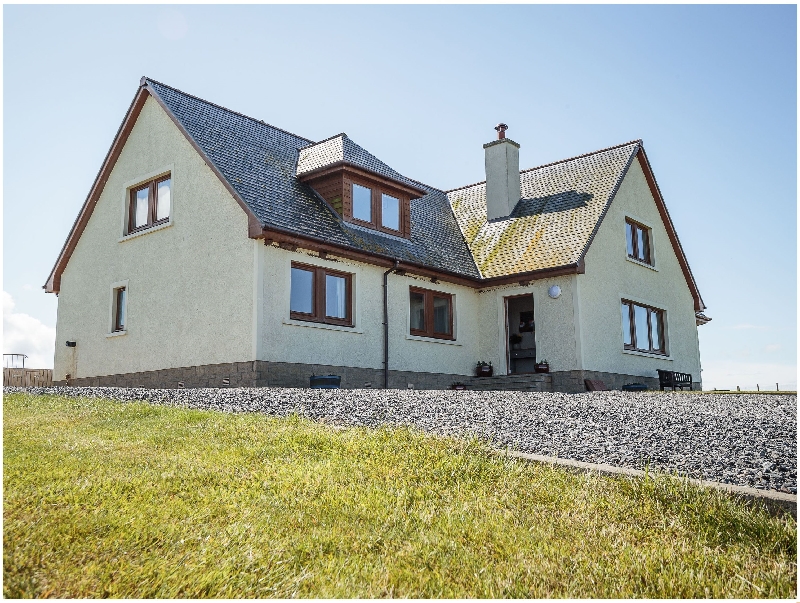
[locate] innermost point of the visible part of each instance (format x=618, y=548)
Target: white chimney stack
x=502, y=175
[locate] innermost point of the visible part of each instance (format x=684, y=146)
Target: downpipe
x=386, y=323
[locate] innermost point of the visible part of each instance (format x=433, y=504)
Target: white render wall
x=479, y=322
x=190, y=284
x=610, y=276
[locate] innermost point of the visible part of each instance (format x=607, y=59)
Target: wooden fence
x=28, y=377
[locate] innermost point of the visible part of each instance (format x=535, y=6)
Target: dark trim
x=331, y=168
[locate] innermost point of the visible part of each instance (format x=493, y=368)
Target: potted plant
x=515, y=339
x=483, y=369
x=457, y=385
x=542, y=366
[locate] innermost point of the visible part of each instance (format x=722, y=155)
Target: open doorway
x=521, y=334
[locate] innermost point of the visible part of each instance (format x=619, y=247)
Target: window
x=431, y=313
x=377, y=209
x=321, y=295
x=643, y=328
x=150, y=204
x=638, y=241
x=119, y=310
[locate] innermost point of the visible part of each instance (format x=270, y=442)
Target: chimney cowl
x=501, y=131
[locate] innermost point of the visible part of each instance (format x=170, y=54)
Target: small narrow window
x=321, y=295
x=390, y=212
x=642, y=328
x=431, y=313
x=362, y=203
x=638, y=241
x=120, y=303
x=150, y=204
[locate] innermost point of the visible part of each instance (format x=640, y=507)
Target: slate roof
x=561, y=206
x=259, y=161
x=341, y=148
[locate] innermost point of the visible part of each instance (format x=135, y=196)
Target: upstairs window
x=638, y=241
x=362, y=203
x=431, y=313
x=643, y=328
x=150, y=204
x=321, y=295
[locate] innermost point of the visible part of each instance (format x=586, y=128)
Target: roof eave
x=324, y=170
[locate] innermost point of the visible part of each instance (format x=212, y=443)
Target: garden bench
x=674, y=379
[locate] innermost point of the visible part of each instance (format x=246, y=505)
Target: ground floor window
x=643, y=328
x=120, y=298
x=431, y=313
x=321, y=295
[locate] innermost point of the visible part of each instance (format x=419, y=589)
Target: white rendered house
x=217, y=250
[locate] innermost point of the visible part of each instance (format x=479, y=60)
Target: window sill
x=648, y=355
x=432, y=339
x=117, y=334
x=145, y=231
x=321, y=325
x=640, y=263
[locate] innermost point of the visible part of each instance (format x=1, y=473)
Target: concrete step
x=536, y=382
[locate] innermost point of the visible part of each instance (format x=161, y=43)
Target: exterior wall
x=300, y=342
x=610, y=276
x=190, y=284
x=555, y=326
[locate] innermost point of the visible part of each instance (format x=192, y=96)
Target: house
x=217, y=250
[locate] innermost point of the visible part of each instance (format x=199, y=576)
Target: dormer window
x=366, y=199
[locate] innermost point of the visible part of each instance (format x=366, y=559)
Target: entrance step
x=534, y=382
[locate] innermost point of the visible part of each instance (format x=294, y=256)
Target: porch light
x=554, y=291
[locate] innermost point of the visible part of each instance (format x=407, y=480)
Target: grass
x=104, y=499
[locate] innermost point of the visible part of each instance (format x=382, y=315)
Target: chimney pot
x=501, y=131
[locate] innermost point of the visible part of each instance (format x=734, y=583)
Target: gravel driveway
x=746, y=440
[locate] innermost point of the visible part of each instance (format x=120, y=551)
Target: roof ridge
x=260, y=121
x=544, y=165
x=313, y=144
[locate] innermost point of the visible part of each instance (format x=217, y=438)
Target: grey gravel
x=745, y=440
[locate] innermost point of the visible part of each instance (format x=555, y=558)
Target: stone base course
x=260, y=373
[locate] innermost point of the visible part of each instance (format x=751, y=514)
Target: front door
x=520, y=334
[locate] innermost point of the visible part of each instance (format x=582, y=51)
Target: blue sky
x=710, y=89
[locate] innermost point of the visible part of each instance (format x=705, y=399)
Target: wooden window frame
x=636, y=226
x=376, y=200
x=428, y=295
x=119, y=326
x=152, y=204
x=318, y=303
x=633, y=346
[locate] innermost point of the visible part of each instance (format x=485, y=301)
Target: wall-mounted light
x=554, y=292
x=72, y=344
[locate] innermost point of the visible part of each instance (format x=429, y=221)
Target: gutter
x=386, y=323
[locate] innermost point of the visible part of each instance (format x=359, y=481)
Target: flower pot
x=541, y=367
x=484, y=371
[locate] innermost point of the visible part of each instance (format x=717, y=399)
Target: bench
x=674, y=379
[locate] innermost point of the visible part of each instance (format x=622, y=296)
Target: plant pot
x=540, y=367
x=484, y=371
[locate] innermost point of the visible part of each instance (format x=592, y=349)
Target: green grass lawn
x=104, y=499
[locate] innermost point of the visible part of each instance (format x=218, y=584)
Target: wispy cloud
x=772, y=347
x=24, y=334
